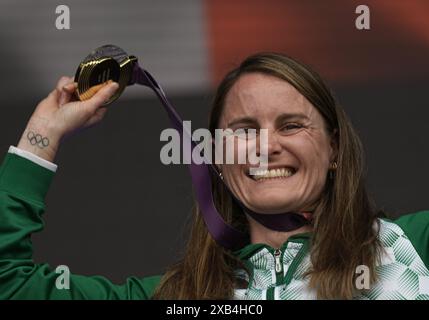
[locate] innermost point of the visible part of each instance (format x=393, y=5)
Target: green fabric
x=403, y=272
x=416, y=227
x=23, y=186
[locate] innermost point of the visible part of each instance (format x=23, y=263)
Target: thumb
x=102, y=95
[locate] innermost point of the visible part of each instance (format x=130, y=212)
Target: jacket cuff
x=30, y=156
x=22, y=177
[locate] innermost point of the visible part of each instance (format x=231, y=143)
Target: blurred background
x=113, y=208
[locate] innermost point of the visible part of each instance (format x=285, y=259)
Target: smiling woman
x=315, y=169
x=298, y=143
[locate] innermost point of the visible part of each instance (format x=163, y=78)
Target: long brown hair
x=345, y=225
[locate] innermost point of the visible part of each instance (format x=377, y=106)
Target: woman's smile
x=278, y=173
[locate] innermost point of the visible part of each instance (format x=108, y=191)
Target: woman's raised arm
x=60, y=115
x=23, y=187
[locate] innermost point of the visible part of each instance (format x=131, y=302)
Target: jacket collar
x=250, y=249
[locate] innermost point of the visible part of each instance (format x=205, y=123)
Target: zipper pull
x=277, y=255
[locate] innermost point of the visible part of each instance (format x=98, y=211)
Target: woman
x=316, y=165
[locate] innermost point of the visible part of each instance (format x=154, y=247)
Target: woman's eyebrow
x=283, y=117
x=242, y=121
x=291, y=116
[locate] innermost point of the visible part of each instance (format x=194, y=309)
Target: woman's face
x=299, y=147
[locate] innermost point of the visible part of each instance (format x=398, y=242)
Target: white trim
x=32, y=157
x=277, y=292
x=273, y=276
x=423, y=285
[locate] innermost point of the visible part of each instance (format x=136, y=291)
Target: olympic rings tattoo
x=37, y=139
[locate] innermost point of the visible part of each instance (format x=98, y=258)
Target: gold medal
x=106, y=63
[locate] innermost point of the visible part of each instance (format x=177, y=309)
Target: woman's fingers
x=70, y=87
x=95, y=104
x=102, y=96
x=62, y=96
x=67, y=93
x=63, y=81
x=56, y=93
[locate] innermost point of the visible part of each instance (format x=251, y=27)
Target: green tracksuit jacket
x=275, y=273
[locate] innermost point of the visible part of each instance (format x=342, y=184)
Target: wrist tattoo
x=37, y=139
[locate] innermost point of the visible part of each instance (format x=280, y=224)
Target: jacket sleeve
x=23, y=187
x=416, y=227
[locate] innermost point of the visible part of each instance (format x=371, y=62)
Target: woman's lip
x=275, y=179
x=259, y=179
x=294, y=169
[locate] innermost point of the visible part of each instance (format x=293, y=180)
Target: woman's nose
x=269, y=143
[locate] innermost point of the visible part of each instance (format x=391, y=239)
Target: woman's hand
x=59, y=115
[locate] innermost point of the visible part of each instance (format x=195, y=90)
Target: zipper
x=279, y=265
x=286, y=279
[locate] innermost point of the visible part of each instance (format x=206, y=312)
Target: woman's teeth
x=273, y=173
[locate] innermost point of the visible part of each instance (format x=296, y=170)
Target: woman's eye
x=250, y=130
x=291, y=126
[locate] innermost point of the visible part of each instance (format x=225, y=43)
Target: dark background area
x=115, y=210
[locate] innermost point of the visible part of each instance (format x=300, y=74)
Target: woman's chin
x=271, y=207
